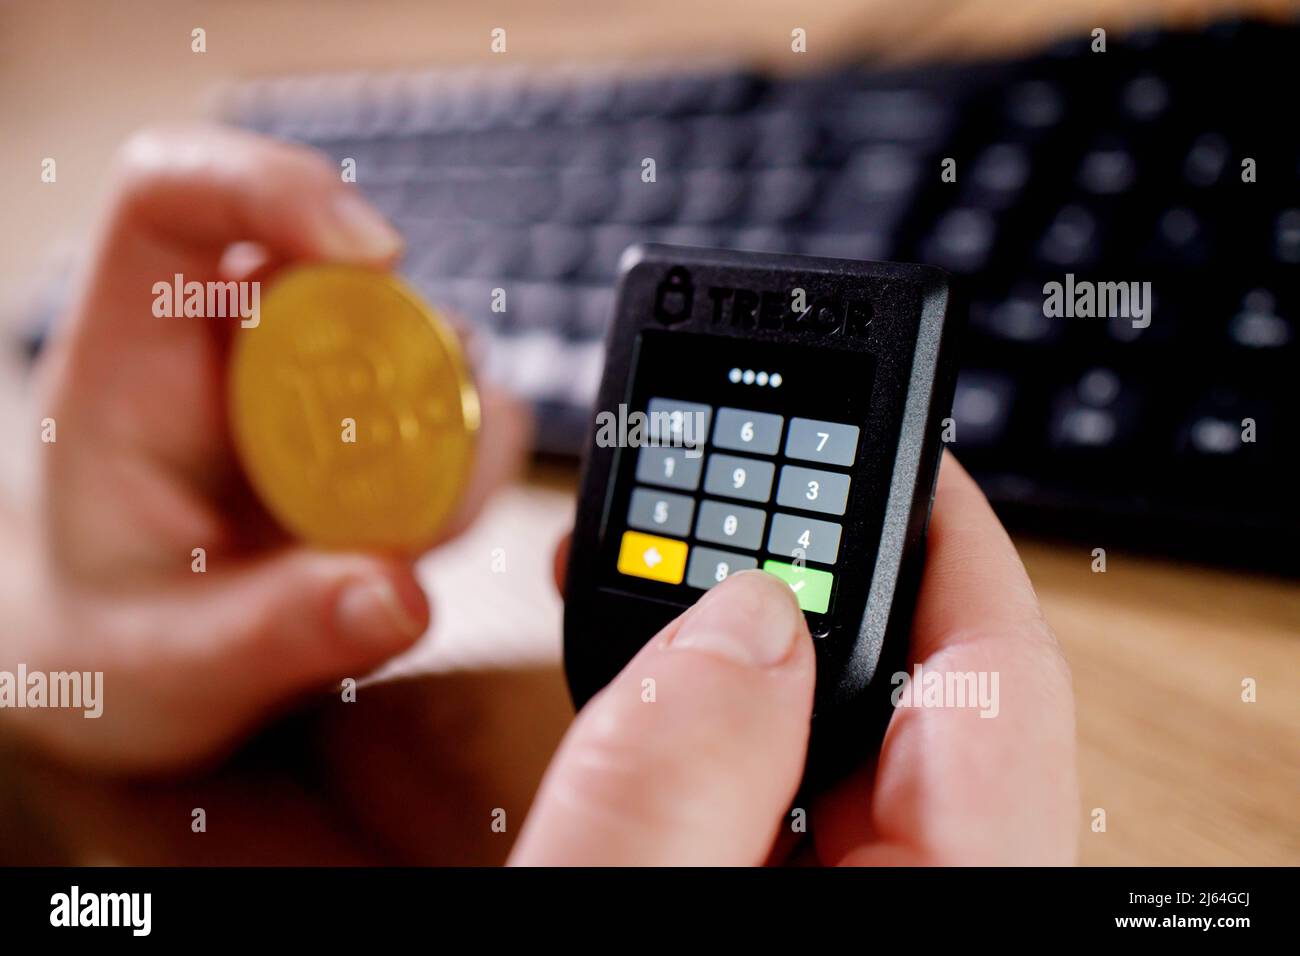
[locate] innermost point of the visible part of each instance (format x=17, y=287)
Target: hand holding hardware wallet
x=774, y=412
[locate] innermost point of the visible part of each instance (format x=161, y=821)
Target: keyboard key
x=642, y=202
x=591, y=313
x=830, y=443
x=661, y=511
x=733, y=477
x=843, y=207
x=585, y=196
x=535, y=364
x=1097, y=412
x=809, y=538
x=1018, y=319
x=663, y=140
x=811, y=586
x=759, y=240
x=1257, y=325
x=557, y=251
x=813, y=490
x=1232, y=430
x=962, y=240
x=718, y=141
x=502, y=197
x=497, y=253
x=897, y=116
x=1082, y=427
x=710, y=566
x=608, y=245
x=1000, y=173
x=1181, y=237
x=1145, y=98
x=981, y=407
x=645, y=95
x=678, y=423
x=1215, y=436
x=739, y=430
x=689, y=235
x=1287, y=238
x=785, y=138
x=732, y=91
x=593, y=97
x=883, y=172
x=709, y=90
x=587, y=365
x=777, y=195
x=735, y=525
x=1206, y=160
x=1072, y=238
x=1164, y=315
x=870, y=243
x=538, y=306
x=1098, y=387
x=1035, y=105
x=670, y=467
x=649, y=556
x=711, y=195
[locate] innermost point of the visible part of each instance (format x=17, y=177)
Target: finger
x=694, y=752
x=209, y=659
x=560, y=561
x=951, y=785
x=247, y=261
x=184, y=195
x=292, y=620
x=211, y=186
x=973, y=574
x=500, y=452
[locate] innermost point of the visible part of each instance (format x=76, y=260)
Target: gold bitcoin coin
x=353, y=410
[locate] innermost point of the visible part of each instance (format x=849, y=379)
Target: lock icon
x=674, y=297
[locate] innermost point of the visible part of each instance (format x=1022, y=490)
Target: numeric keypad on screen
x=750, y=498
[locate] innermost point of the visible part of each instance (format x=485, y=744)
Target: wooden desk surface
x=1187, y=772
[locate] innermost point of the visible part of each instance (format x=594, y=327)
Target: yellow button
x=649, y=556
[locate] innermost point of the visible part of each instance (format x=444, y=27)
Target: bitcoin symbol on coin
x=338, y=344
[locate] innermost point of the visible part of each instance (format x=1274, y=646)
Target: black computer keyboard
x=1122, y=166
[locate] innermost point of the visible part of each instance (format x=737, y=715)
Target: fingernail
x=354, y=230
x=752, y=618
x=370, y=612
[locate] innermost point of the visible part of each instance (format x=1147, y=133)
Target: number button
x=683, y=424
x=814, y=540
x=740, y=430
x=671, y=467
x=710, y=566
x=733, y=477
x=661, y=511
x=812, y=490
x=828, y=442
x=737, y=526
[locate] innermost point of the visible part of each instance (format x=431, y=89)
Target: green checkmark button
x=811, y=587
